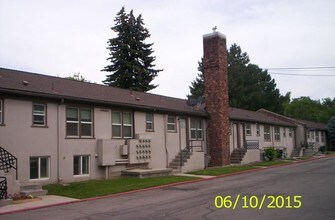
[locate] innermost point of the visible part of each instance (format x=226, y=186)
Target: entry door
x=183, y=133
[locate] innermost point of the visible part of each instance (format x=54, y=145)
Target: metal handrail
x=3, y=188
x=8, y=161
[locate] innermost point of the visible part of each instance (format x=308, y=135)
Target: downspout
x=165, y=142
x=181, y=154
x=58, y=141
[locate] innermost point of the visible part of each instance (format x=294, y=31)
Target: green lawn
x=216, y=171
x=330, y=152
x=92, y=188
x=271, y=163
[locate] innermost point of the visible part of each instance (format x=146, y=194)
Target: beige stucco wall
x=287, y=142
x=251, y=156
x=196, y=162
x=312, y=138
x=24, y=141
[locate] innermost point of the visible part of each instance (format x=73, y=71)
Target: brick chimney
x=216, y=98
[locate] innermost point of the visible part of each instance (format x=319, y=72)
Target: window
x=308, y=135
x=39, y=167
x=290, y=132
x=196, y=129
x=1, y=111
x=149, y=121
x=39, y=114
x=81, y=165
x=267, y=134
x=277, y=133
x=122, y=124
x=322, y=136
x=317, y=136
x=248, y=129
x=79, y=122
x=312, y=134
x=171, y=123
x=258, y=131
x=284, y=132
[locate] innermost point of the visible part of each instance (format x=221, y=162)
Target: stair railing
x=7, y=161
x=3, y=188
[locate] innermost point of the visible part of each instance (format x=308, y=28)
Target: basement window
x=81, y=165
x=39, y=167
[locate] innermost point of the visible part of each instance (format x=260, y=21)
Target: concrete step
x=141, y=173
x=33, y=189
x=35, y=192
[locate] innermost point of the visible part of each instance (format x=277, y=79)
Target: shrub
x=279, y=154
x=270, y=153
x=322, y=149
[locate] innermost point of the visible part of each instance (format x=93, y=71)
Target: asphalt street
x=300, y=191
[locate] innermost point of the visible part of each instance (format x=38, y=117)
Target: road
x=314, y=181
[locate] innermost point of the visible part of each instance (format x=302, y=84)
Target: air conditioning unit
x=106, y=153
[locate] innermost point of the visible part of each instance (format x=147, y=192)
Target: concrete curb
x=163, y=186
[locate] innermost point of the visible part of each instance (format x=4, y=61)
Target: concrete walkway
x=192, y=175
x=42, y=202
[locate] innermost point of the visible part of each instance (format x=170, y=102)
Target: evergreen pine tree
x=130, y=56
x=197, y=87
x=249, y=86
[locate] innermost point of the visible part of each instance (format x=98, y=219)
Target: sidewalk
x=48, y=200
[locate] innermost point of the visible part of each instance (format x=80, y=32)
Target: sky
x=64, y=37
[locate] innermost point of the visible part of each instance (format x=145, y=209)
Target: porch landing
x=141, y=173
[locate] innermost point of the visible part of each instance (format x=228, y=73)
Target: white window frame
x=267, y=134
x=81, y=165
x=121, y=125
x=290, y=132
x=258, y=130
x=169, y=123
x=148, y=122
x=277, y=133
x=317, y=137
x=248, y=129
x=196, y=129
x=85, y=122
x=127, y=125
x=40, y=113
x=39, y=168
x=79, y=122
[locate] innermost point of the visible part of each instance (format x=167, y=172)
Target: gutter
x=105, y=102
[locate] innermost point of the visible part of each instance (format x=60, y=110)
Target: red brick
x=216, y=98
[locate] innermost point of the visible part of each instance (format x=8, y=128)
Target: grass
x=330, y=152
x=93, y=188
x=216, y=171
